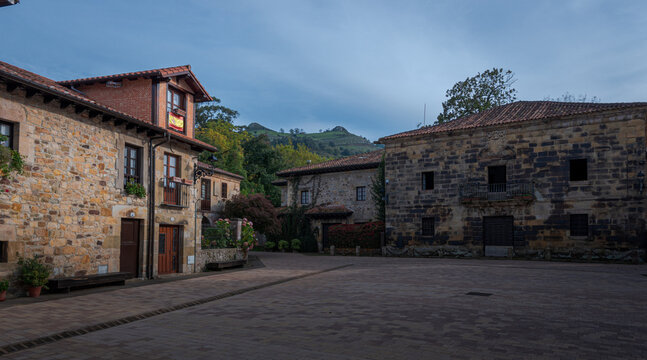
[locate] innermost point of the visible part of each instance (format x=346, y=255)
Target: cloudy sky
x=369, y=66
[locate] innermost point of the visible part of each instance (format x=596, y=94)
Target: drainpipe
x=151, y=200
x=195, y=232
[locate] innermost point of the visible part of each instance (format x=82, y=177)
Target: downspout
x=151, y=199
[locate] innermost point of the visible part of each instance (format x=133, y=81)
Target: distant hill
x=335, y=142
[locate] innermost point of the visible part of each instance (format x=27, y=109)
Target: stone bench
x=225, y=264
x=116, y=278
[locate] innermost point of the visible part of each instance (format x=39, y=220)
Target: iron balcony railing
x=497, y=192
x=176, y=193
x=205, y=204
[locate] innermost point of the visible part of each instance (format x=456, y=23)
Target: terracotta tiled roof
x=219, y=170
x=356, y=162
x=46, y=85
x=517, y=112
x=323, y=211
x=280, y=182
x=201, y=93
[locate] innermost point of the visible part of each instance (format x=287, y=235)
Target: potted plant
x=4, y=285
x=283, y=245
x=34, y=274
x=269, y=245
x=296, y=245
x=136, y=189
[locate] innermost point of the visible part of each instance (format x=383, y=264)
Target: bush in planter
x=283, y=245
x=137, y=189
x=270, y=245
x=219, y=236
x=296, y=244
x=33, y=273
x=4, y=285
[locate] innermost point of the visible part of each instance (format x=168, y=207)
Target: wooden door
x=169, y=249
x=324, y=234
x=498, y=235
x=129, y=255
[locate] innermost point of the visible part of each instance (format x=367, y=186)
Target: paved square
x=378, y=308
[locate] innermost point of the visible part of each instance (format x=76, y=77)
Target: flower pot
x=34, y=291
x=3, y=295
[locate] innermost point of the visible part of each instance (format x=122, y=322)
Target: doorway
x=498, y=235
x=129, y=249
x=168, y=258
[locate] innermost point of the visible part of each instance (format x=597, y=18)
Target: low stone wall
x=206, y=256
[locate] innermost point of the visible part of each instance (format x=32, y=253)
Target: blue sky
x=369, y=66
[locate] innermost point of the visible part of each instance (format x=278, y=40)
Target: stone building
x=216, y=187
x=82, y=140
x=336, y=191
x=531, y=178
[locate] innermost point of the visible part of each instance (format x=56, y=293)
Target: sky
x=370, y=66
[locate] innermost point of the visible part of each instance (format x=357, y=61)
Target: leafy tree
x=255, y=207
x=567, y=97
x=213, y=111
x=378, y=191
x=261, y=165
x=478, y=93
x=294, y=156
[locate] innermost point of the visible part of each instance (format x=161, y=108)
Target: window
x=496, y=177
x=174, y=100
x=305, y=197
x=428, y=180
x=360, y=193
x=171, y=165
x=132, y=166
x=224, y=190
x=579, y=225
x=6, y=129
x=175, y=106
x=205, y=189
x=428, y=225
x=578, y=169
x=4, y=251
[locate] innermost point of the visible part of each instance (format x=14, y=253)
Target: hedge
x=366, y=235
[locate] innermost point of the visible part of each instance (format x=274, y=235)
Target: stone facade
x=218, y=193
x=69, y=204
x=537, y=158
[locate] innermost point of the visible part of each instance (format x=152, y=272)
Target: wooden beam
x=79, y=109
x=118, y=122
x=106, y=118
x=64, y=104
x=93, y=114
x=29, y=93
x=11, y=86
x=130, y=126
x=47, y=99
x=140, y=129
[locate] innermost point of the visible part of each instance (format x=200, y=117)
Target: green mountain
x=335, y=142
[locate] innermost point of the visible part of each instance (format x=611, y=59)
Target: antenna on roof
x=424, y=116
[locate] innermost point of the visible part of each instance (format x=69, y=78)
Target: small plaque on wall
x=190, y=260
x=103, y=269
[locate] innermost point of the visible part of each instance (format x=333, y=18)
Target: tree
x=378, y=191
x=568, y=97
x=478, y=93
x=255, y=207
x=213, y=111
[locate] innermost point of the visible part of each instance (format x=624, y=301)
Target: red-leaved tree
x=254, y=207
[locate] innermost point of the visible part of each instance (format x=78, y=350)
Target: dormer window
x=176, y=110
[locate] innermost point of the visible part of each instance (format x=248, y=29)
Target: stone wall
x=207, y=256
x=536, y=153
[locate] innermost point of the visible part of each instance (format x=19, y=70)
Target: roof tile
x=360, y=161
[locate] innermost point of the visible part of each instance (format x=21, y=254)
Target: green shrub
x=283, y=245
x=219, y=236
x=137, y=189
x=4, y=285
x=33, y=273
x=296, y=244
x=270, y=245
x=10, y=160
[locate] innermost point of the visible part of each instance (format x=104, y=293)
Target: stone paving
x=379, y=308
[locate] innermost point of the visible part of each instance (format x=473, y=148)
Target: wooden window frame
x=426, y=175
x=11, y=141
x=171, y=105
x=167, y=165
x=223, y=190
x=360, y=193
x=428, y=226
x=307, y=200
x=138, y=164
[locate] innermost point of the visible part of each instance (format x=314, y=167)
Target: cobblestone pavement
x=379, y=308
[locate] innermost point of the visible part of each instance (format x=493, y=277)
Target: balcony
x=474, y=192
x=176, y=193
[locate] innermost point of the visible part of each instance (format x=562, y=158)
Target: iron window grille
x=428, y=226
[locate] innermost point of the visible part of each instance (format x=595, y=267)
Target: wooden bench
x=225, y=264
x=116, y=278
